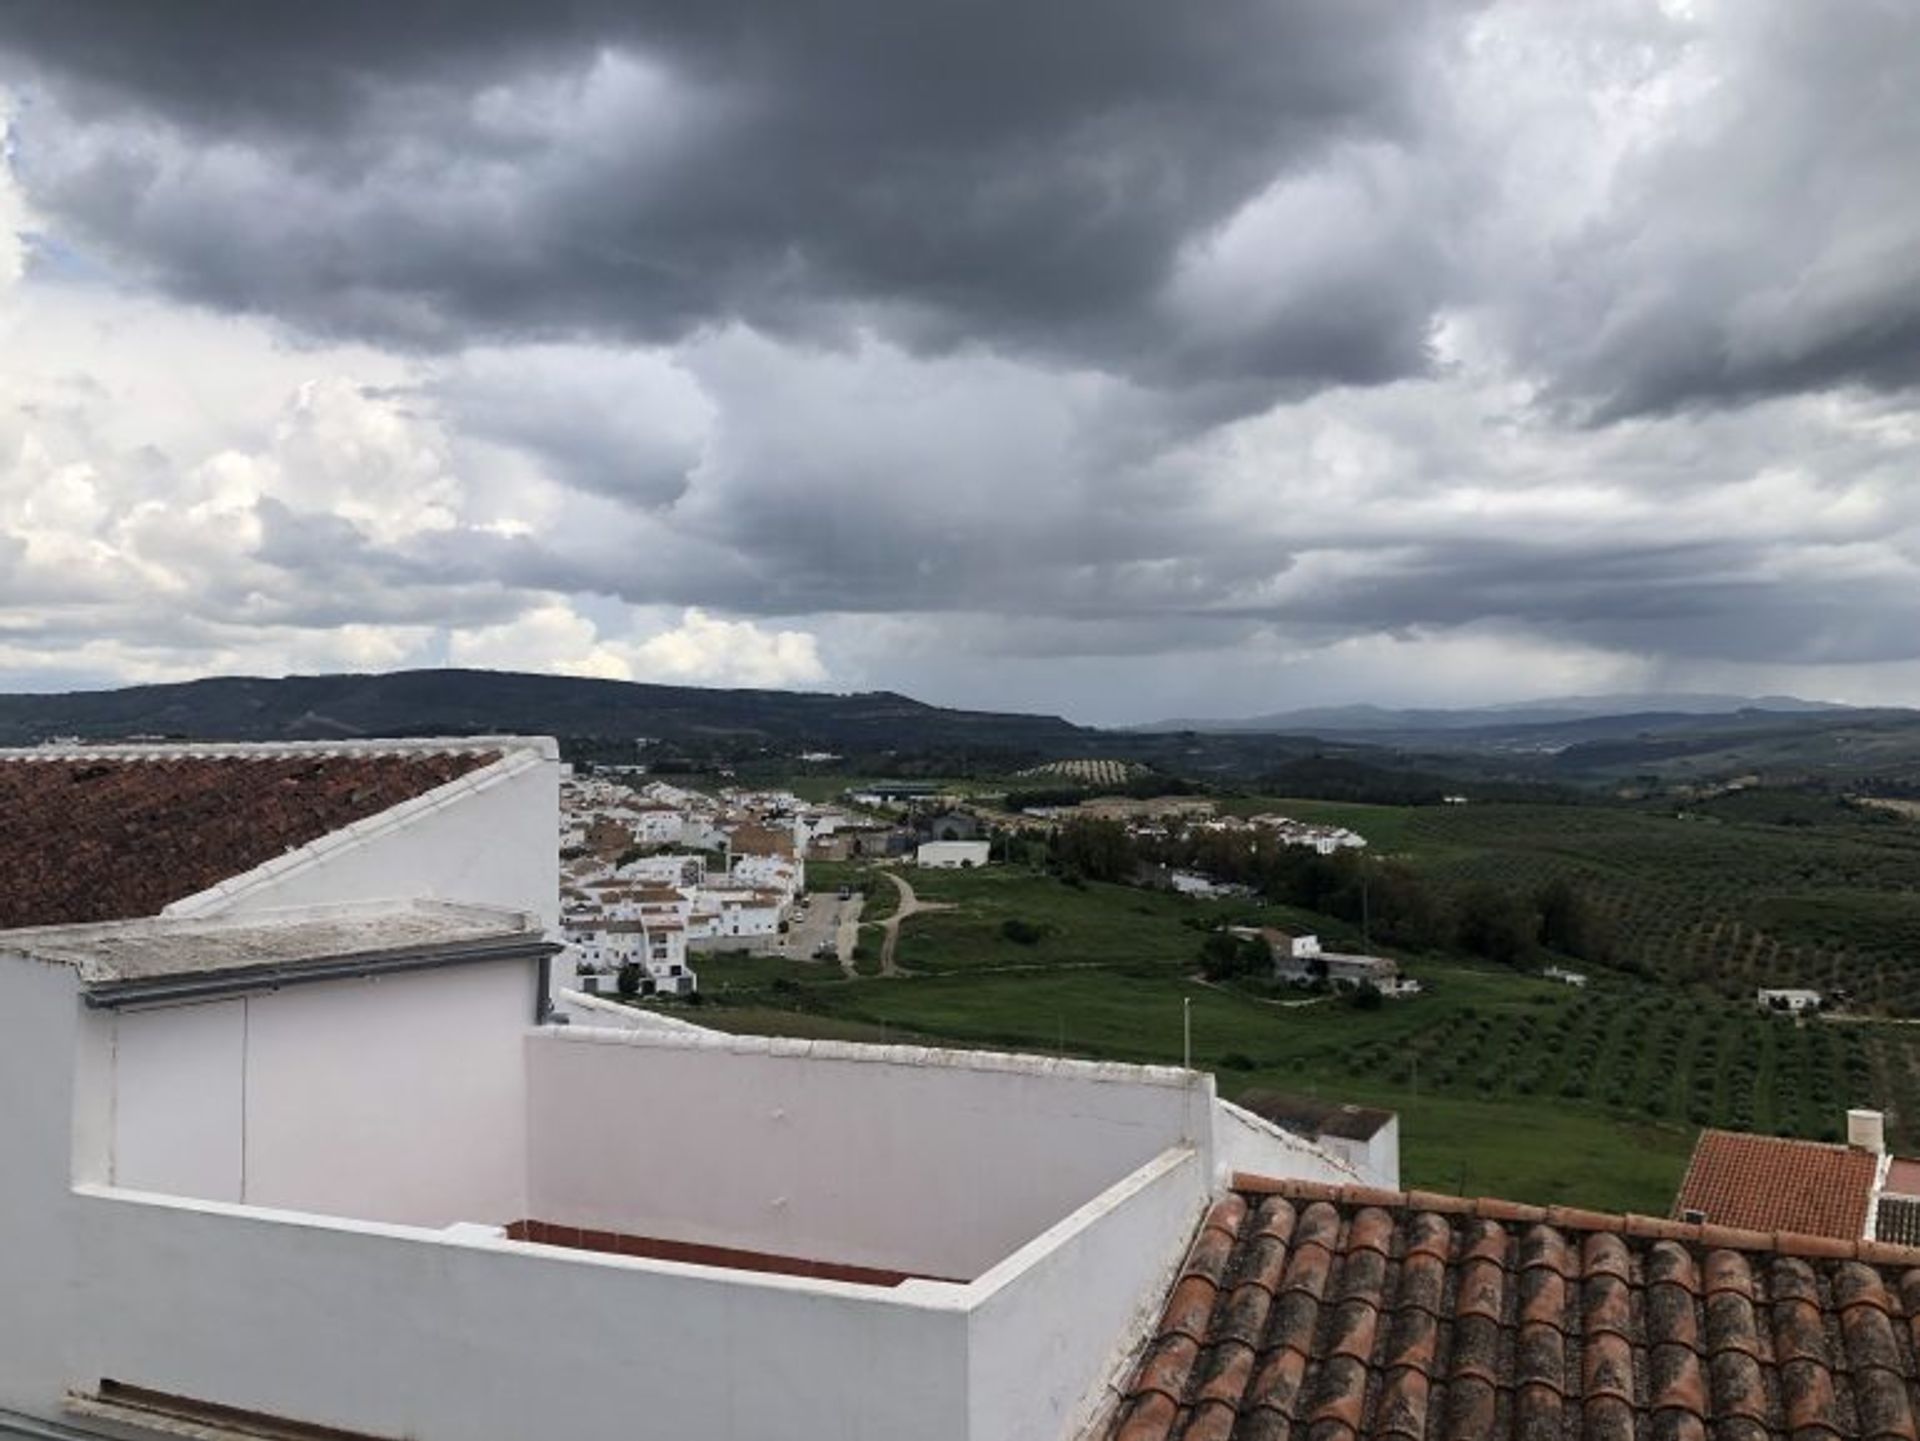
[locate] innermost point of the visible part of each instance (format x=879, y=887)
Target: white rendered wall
x=397, y=1333
x=179, y=1109
x=1383, y=1155
x=439, y=1337
x=1245, y=1142
x=952, y=855
x=41, y=1123
x=486, y=839
x=1064, y=1315
x=934, y=1163
x=394, y=1098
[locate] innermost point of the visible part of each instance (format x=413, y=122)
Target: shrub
x=1236, y=1061
x=1021, y=932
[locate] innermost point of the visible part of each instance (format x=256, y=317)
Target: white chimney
x=1867, y=1131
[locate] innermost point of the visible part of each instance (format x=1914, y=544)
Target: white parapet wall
x=396, y=1332
x=936, y=1163
x=458, y=1336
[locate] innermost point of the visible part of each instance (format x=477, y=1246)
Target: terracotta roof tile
x=1773, y=1183
x=1313, y=1314
x=104, y=839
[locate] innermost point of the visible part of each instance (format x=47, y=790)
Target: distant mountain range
x=1350, y=752
x=1361, y=719
x=470, y=702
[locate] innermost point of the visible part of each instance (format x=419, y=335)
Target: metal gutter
x=108, y=995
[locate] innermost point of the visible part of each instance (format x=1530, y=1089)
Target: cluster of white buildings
x=1301, y=960
x=1324, y=839
x=652, y=873
x=294, y=1146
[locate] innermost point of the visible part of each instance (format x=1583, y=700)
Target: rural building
x=1576, y=979
x=1300, y=958
x=947, y=826
x=1787, y=999
x=1777, y=1183
x=951, y=855
x=1287, y=948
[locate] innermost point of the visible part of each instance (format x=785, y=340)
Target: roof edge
x=1574, y=1218
x=133, y=750
x=111, y=995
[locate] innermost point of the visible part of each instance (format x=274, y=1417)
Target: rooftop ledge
x=696, y=1039
x=918, y=1292
x=175, y=957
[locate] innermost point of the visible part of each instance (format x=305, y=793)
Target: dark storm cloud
x=1090, y=328
x=946, y=173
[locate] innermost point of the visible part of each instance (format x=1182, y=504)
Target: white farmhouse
x=1788, y=999
x=952, y=855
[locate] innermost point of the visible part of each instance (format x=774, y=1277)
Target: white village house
x=289, y=1151
x=1300, y=958
x=952, y=855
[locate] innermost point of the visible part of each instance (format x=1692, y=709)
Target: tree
x=1495, y=924
x=1099, y=850
x=628, y=981
x=1224, y=956
x=1571, y=924
x=1366, y=997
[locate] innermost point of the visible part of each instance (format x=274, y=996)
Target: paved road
x=823, y=923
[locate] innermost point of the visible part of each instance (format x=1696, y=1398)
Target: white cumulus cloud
x=728, y=652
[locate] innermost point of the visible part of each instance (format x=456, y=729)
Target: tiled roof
x=1322, y=1313
x=1897, y=1218
x=1773, y=1183
x=99, y=839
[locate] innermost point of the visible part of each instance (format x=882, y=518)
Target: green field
x=1507, y=1084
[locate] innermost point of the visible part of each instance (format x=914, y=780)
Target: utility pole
x=1186, y=1024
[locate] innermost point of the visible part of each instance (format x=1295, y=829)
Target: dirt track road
x=910, y=905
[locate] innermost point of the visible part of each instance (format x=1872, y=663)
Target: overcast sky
x=1113, y=358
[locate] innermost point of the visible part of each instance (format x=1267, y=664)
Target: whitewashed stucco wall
x=1249, y=1143
x=394, y=1333
x=392, y=1098
x=934, y=1163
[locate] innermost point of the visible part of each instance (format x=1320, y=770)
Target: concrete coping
x=918, y=1057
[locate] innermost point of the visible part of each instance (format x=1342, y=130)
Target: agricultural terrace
x=1508, y=1084
x=1725, y=904
x=1094, y=773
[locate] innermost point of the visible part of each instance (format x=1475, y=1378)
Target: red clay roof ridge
x=1571, y=1218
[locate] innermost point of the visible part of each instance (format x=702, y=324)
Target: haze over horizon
x=1115, y=361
